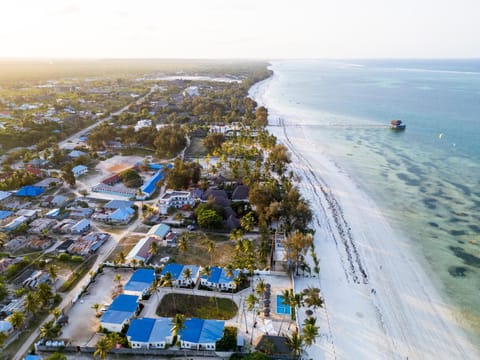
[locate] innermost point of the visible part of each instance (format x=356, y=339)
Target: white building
x=79, y=170
x=175, y=198
x=142, y=124
x=149, y=333
x=191, y=91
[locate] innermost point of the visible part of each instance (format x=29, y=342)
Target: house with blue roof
x=163, y=233
x=201, y=334
x=177, y=272
x=81, y=227
x=160, y=231
x=140, y=282
x=148, y=188
x=30, y=191
x=150, y=333
x=15, y=223
x=122, y=215
x=4, y=195
x=74, y=154
x=79, y=170
x=218, y=279
x=119, y=313
x=5, y=214
x=117, y=204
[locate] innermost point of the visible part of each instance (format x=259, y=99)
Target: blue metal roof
x=79, y=168
x=117, y=204
x=4, y=214
x=124, y=303
x=219, y=275
x=174, y=269
x=81, y=225
x=149, y=330
x=149, y=186
x=161, y=329
x=160, y=230
x=141, y=280
x=115, y=316
x=33, y=357
x=215, y=273
x=140, y=329
x=122, y=213
x=224, y=279
x=30, y=191
x=156, y=166
x=201, y=331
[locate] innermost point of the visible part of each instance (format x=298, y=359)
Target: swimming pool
x=282, y=309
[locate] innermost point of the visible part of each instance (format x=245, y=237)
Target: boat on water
x=397, y=125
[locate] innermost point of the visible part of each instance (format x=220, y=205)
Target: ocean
x=425, y=179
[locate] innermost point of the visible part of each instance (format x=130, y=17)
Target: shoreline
x=381, y=302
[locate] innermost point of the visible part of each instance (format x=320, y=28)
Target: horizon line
x=61, y=58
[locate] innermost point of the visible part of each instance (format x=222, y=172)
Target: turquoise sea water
x=425, y=179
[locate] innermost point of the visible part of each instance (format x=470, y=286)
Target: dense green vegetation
x=131, y=178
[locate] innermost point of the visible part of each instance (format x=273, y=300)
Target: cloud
x=69, y=9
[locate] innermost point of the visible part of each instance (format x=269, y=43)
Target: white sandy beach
x=379, y=302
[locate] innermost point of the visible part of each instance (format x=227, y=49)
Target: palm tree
x=211, y=249
x=312, y=297
x=310, y=331
x=49, y=331
x=31, y=303
x=287, y=296
x=44, y=294
x=3, y=239
x=3, y=337
x=230, y=272
x=187, y=274
x=16, y=319
x=102, y=348
x=261, y=287
x=53, y=273
x=118, y=279
x=114, y=339
x=134, y=263
x=56, y=313
x=167, y=280
x=157, y=284
x=178, y=324
x=96, y=307
x=295, y=343
x=121, y=257
x=236, y=234
x=207, y=271
x=153, y=249
x=182, y=243
x=296, y=301
x=251, y=301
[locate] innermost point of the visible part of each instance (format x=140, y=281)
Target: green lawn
x=197, y=306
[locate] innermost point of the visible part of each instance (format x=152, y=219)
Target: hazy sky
x=240, y=28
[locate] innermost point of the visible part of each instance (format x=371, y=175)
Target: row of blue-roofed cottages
x=199, y=334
